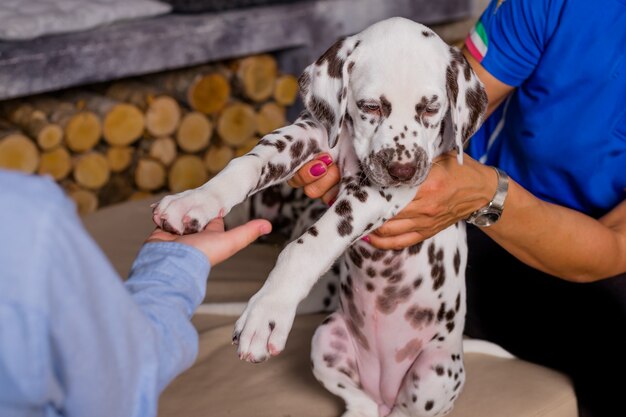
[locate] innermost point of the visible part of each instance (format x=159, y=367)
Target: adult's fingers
x=236, y=239
x=325, y=184
x=311, y=171
x=396, y=242
x=330, y=195
x=395, y=227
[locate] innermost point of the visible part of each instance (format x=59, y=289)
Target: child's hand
x=214, y=242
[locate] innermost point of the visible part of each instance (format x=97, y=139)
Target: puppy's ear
x=324, y=86
x=467, y=97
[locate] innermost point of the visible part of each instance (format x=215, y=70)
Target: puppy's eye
x=370, y=107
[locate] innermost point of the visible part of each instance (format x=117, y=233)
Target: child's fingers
x=236, y=239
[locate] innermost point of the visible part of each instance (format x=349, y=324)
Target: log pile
x=162, y=133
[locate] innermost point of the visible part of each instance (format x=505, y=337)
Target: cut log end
x=83, y=131
x=286, y=90
x=49, y=136
x=257, y=76
x=209, y=93
x=217, y=157
x=123, y=124
x=119, y=157
x=187, y=172
x=163, y=150
x=17, y=152
x=236, y=124
x=162, y=116
x=86, y=201
x=149, y=175
x=270, y=117
x=56, y=163
x=194, y=132
x=91, y=171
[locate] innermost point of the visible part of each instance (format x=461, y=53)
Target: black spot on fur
x=335, y=64
x=476, y=101
x=343, y=208
x=385, y=106
x=419, y=317
x=355, y=257
x=457, y=261
x=322, y=111
x=388, y=301
x=304, y=82
x=429, y=405
x=415, y=249
x=312, y=231
x=330, y=359
x=296, y=150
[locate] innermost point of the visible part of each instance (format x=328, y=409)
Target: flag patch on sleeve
x=477, y=42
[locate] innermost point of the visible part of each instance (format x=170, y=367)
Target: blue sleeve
x=511, y=35
x=117, y=345
x=74, y=339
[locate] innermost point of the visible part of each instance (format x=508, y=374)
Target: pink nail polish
x=317, y=170
x=326, y=159
x=366, y=239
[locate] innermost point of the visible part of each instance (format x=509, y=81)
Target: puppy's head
x=400, y=93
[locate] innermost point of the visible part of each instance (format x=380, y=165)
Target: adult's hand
x=450, y=193
x=217, y=244
x=319, y=177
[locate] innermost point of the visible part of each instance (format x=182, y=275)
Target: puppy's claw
x=168, y=228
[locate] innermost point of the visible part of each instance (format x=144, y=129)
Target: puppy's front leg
x=276, y=158
x=263, y=327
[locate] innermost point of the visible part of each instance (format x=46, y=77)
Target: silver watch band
x=501, y=190
x=490, y=214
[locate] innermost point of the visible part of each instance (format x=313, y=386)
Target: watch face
x=487, y=218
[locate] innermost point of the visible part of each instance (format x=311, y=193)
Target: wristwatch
x=490, y=214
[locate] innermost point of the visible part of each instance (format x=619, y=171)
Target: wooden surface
x=175, y=41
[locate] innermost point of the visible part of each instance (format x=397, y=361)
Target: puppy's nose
x=401, y=172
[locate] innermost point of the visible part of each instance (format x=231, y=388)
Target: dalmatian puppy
x=384, y=103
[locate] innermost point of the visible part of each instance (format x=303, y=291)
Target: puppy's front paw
x=262, y=329
x=186, y=212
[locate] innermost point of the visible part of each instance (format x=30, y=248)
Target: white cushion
x=22, y=20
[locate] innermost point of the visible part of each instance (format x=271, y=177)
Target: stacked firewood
x=161, y=133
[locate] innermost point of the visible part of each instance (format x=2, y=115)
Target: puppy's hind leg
x=334, y=365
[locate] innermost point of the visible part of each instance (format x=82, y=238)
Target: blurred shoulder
x=23, y=193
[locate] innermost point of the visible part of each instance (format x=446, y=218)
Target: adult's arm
x=549, y=237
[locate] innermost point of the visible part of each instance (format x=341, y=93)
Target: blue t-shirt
x=562, y=133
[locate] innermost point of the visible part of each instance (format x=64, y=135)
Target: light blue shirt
x=75, y=340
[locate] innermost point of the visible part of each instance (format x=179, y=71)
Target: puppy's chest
x=418, y=287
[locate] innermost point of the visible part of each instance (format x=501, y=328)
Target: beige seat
x=219, y=385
